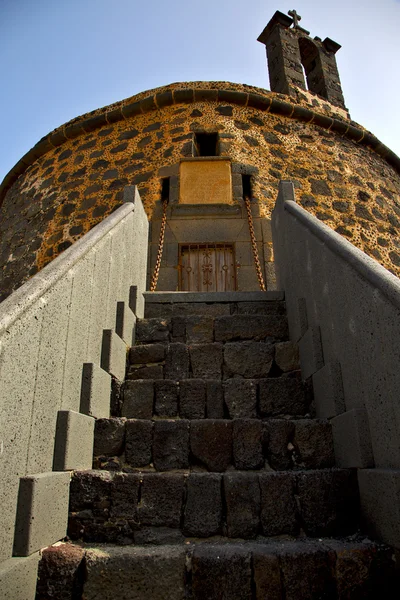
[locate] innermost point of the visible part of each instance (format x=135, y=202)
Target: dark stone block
x=133, y=168
x=142, y=178
x=138, y=399
x=363, y=570
x=124, y=496
x=278, y=434
x=148, y=104
x=214, y=399
x=221, y=572
x=146, y=372
x=205, y=95
x=245, y=327
x=247, y=444
x=129, y=134
x=251, y=141
x=109, y=437
x=146, y=353
x=130, y=110
x=307, y=571
x=282, y=395
x=119, y=148
x=187, y=148
x=60, y=572
x=206, y=360
x=226, y=111
x=176, y=362
x=203, y=509
x=139, y=441
x=171, y=445
x=64, y=155
x=166, y=402
x=320, y=187
x=178, y=329
x=161, y=499
x=183, y=96
x=241, y=398
x=266, y=572
x=249, y=359
x=199, y=329
x=329, y=502
x=90, y=490
x=152, y=330
x=259, y=102
x=192, y=399
x=211, y=443
x=164, y=99
x=152, y=127
x=242, y=500
x=313, y=444
x=278, y=505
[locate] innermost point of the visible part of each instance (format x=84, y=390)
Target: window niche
x=165, y=188
x=206, y=144
x=246, y=186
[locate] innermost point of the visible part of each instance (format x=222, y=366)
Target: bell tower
x=295, y=60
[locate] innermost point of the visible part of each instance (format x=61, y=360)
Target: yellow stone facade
x=70, y=188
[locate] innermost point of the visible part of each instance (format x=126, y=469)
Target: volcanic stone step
x=212, y=444
x=127, y=508
x=201, y=398
x=213, y=304
x=213, y=360
x=197, y=329
x=284, y=570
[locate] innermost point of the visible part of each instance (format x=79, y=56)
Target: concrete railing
x=344, y=311
x=63, y=337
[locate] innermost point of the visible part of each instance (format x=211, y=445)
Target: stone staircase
x=213, y=479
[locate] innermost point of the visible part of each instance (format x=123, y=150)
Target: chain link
x=156, y=272
x=254, y=244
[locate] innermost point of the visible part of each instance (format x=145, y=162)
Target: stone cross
x=296, y=18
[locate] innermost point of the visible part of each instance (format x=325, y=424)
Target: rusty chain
x=254, y=244
x=156, y=271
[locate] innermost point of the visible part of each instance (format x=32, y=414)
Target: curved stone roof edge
x=187, y=95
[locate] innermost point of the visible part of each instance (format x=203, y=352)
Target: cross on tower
x=296, y=18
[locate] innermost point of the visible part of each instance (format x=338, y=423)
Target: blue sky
x=62, y=58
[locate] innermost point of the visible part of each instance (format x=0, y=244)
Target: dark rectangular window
x=165, y=188
x=206, y=144
x=246, y=184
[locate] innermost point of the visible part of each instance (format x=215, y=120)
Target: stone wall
x=64, y=336
x=75, y=176
x=343, y=310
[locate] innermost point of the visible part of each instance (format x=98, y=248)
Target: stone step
x=198, y=329
x=215, y=360
x=124, y=508
x=215, y=445
x=171, y=304
x=280, y=570
x=212, y=398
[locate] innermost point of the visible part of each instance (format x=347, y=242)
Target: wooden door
x=207, y=268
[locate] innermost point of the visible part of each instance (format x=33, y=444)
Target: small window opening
x=165, y=185
x=246, y=184
x=206, y=144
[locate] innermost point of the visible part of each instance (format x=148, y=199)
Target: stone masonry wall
x=70, y=188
